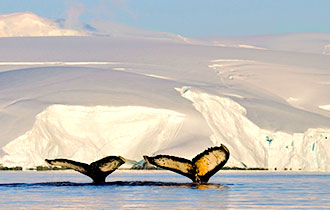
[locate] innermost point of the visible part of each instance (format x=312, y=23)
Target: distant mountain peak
x=24, y=24
x=27, y=24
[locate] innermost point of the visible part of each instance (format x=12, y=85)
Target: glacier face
x=87, y=134
x=255, y=147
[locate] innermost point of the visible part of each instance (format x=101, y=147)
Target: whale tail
x=200, y=169
x=97, y=171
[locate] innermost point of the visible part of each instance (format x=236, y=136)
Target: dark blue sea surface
x=164, y=190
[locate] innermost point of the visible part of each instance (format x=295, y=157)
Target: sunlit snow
x=133, y=92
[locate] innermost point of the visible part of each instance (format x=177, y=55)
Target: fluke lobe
x=97, y=171
x=200, y=169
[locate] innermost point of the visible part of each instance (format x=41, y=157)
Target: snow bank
x=326, y=50
x=89, y=133
x=325, y=107
x=251, y=146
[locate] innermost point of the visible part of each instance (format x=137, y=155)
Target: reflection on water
x=164, y=190
x=119, y=183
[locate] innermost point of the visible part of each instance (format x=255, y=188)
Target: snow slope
x=116, y=29
x=317, y=43
x=159, y=95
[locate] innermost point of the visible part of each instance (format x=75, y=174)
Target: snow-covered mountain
x=90, y=96
x=29, y=24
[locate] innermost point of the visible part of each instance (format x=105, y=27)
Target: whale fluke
x=97, y=170
x=200, y=169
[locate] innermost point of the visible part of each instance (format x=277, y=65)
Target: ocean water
x=164, y=190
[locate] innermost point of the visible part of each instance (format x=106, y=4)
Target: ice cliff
x=254, y=147
x=89, y=133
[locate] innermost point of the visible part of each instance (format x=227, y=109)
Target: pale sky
x=190, y=17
